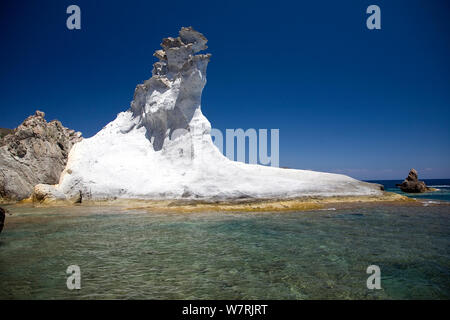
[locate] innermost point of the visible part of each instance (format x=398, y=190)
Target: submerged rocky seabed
x=136, y=254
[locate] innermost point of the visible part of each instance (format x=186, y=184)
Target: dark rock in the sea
x=2, y=218
x=412, y=184
x=35, y=152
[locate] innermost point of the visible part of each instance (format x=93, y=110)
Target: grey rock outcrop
x=412, y=184
x=35, y=152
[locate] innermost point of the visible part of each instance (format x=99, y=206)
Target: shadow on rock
x=2, y=218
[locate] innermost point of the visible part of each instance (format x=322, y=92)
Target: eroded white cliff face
x=161, y=147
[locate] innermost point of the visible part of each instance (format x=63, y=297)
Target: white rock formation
x=161, y=147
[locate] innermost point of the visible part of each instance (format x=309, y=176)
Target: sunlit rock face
x=168, y=100
x=35, y=152
x=161, y=148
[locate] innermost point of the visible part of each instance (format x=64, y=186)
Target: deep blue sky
x=371, y=104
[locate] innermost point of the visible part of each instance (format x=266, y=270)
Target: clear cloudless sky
x=368, y=103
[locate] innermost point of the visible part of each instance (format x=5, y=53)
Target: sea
x=322, y=254
x=442, y=194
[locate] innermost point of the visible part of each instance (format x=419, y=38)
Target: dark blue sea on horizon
x=443, y=186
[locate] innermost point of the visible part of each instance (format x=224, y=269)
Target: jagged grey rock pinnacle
x=35, y=152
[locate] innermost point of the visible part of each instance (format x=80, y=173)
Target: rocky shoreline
x=236, y=205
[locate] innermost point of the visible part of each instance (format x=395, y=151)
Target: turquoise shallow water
x=133, y=254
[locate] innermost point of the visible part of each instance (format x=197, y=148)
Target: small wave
x=440, y=186
x=427, y=203
x=327, y=209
